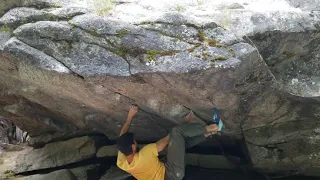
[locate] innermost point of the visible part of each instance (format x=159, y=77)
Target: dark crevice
x=167, y=23
x=44, y=17
x=105, y=164
x=96, y=34
x=272, y=145
x=38, y=6
x=71, y=135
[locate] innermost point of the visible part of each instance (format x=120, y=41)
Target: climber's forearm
x=126, y=125
x=162, y=143
x=133, y=110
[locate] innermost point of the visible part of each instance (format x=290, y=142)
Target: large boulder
x=59, y=154
x=66, y=70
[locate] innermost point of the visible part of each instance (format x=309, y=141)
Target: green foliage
x=5, y=28
x=201, y=36
x=194, y=47
x=220, y=58
x=288, y=54
x=220, y=45
x=147, y=22
x=57, y=5
x=52, y=17
x=122, y=51
x=69, y=16
x=205, y=54
x=212, y=63
x=214, y=43
x=122, y=33
x=93, y=33
x=72, y=25
x=103, y=7
x=232, y=52
x=153, y=53
x=180, y=8
x=299, y=91
x=211, y=42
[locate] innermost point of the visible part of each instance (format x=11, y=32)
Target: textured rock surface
x=63, y=174
x=86, y=172
x=114, y=173
x=5, y=130
x=58, y=154
x=293, y=58
x=67, y=70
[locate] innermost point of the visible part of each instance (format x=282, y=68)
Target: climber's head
x=126, y=144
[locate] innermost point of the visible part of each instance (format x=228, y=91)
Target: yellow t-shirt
x=145, y=164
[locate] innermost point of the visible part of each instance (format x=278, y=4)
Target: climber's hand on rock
x=133, y=110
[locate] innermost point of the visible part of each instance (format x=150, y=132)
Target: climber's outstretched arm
x=133, y=110
x=162, y=143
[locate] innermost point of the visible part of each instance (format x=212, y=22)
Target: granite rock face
x=114, y=173
x=58, y=154
x=66, y=71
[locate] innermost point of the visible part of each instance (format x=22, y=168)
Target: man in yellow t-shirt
x=145, y=164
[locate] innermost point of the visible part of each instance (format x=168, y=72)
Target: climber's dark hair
x=124, y=143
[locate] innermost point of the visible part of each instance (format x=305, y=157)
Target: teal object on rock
x=216, y=119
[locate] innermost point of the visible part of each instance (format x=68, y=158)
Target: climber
x=145, y=164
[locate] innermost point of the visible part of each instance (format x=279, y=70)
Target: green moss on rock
x=194, y=47
x=214, y=43
x=221, y=45
x=288, y=54
x=211, y=42
x=122, y=33
x=212, y=63
x=127, y=50
x=201, y=36
x=103, y=7
x=5, y=28
x=153, y=53
x=232, y=52
x=205, y=54
x=93, y=33
x=122, y=51
x=180, y=8
x=220, y=58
